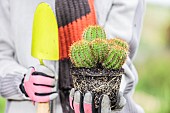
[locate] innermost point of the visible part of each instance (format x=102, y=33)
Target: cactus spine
x=99, y=48
x=119, y=42
x=117, y=54
x=80, y=54
x=93, y=32
x=116, y=58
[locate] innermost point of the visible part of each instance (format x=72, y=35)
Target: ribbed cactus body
x=116, y=58
x=99, y=48
x=80, y=54
x=119, y=42
x=93, y=32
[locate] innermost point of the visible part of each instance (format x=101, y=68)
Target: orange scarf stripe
x=62, y=41
x=73, y=31
x=67, y=40
x=93, y=14
x=83, y=22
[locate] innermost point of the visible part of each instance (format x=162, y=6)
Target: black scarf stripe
x=68, y=11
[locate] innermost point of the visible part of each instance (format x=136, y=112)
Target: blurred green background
x=152, y=62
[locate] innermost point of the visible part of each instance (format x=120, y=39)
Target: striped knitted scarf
x=73, y=16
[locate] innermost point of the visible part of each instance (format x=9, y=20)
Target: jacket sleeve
x=124, y=20
x=11, y=73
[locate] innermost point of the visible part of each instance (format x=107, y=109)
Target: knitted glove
x=39, y=84
x=84, y=104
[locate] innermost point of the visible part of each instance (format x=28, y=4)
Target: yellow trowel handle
x=43, y=107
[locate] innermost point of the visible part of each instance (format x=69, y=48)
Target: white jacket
x=120, y=18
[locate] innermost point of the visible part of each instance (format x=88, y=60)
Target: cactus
x=119, y=42
x=99, y=48
x=116, y=58
x=93, y=32
x=96, y=51
x=80, y=54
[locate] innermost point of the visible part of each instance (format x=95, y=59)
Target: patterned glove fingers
x=85, y=104
x=39, y=84
x=121, y=103
x=104, y=106
x=81, y=104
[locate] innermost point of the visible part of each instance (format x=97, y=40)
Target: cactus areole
x=97, y=61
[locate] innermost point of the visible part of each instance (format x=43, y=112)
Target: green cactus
x=99, y=48
x=93, y=32
x=116, y=58
x=119, y=42
x=96, y=50
x=80, y=54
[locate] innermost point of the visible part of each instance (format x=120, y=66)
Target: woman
x=119, y=18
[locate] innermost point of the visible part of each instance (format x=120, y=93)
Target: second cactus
x=93, y=32
x=99, y=49
x=80, y=54
x=116, y=58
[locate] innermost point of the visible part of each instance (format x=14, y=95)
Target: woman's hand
x=39, y=84
x=85, y=104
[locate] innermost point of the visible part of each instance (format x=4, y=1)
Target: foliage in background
x=153, y=61
x=2, y=105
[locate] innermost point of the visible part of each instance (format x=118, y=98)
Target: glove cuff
x=21, y=86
